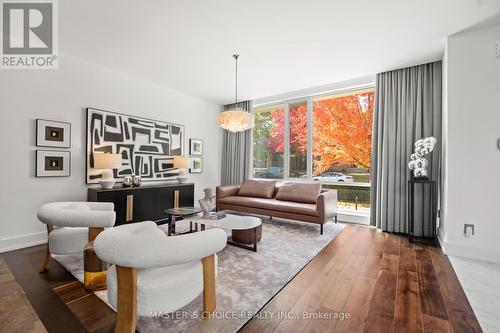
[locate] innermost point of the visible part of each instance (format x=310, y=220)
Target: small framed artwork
x=53, y=134
x=196, y=147
x=53, y=163
x=196, y=165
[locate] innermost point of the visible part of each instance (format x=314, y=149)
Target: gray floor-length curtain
x=236, y=151
x=407, y=108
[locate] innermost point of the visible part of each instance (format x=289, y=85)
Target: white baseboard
x=19, y=242
x=471, y=252
x=354, y=218
x=441, y=241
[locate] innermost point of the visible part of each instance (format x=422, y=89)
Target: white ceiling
x=284, y=45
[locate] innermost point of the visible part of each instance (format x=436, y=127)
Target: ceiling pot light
x=236, y=119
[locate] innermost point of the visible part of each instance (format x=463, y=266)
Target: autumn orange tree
x=298, y=129
x=342, y=130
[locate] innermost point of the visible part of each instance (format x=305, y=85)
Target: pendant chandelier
x=236, y=119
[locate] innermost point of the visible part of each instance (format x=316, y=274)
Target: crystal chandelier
x=236, y=119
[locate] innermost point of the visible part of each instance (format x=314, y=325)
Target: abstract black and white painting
x=147, y=146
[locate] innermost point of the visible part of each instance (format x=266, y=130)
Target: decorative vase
x=418, y=163
x=137, y=180
x=127, y=181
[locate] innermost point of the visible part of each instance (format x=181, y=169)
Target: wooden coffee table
x=245, y=230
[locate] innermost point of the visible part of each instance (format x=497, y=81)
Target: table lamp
x=181, y=163
x=107, y=162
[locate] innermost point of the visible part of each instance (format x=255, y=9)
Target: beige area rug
x=246, y=280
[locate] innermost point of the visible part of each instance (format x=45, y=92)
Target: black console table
x=411, y=211
x=145, y=202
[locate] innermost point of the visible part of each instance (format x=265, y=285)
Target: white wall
x=63, y=95
x=472, y=113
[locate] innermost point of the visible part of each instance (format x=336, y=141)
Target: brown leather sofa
x=299, y=201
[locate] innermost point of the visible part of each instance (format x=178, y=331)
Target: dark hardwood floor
x=60, y=300
x=16, y=312
x=379, y=280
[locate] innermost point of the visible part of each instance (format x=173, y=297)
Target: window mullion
x=286, y=148
x=309, y=138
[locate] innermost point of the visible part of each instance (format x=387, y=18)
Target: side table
x=180, y=212
x=431, y=239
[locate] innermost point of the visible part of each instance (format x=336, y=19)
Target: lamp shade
x=107, y=161
x=181, y=162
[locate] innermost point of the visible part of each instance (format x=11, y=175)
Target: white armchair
x=72, y=225
x=156, y=273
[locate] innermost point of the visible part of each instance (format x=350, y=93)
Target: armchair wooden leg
x=126, y=312
x=93, y=268
x=321, y=229
x=45, y=261
x=94, y=232
x=209, y=302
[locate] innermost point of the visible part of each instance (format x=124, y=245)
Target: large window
x=342, y=141
x=268, y=142
x=325, y=139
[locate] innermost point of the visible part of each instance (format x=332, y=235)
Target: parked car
x=274, y=172
x=333, y=177
x=271, y=172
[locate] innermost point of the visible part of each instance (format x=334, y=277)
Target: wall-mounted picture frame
x=50, y=133
x=52, y=163
x=196, y=147
x=196, y=165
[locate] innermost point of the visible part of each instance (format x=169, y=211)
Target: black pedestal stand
x=411, y=211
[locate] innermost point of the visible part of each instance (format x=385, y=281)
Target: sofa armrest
x=326, y=205
x=223, y=191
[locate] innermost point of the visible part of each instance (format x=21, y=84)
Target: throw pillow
x=299, y=192
x=257, y=188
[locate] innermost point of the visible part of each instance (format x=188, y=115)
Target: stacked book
x=216, y=215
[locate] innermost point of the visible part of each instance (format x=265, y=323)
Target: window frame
x=255, y=109
x=310, y=118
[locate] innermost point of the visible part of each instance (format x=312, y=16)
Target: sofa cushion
x=257, y=188
x=271, y=204
x=299, y=192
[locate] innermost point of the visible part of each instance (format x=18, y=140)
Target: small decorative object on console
x=207, y=203
x=418, y=163
x=127, y=181
x=137, y=180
